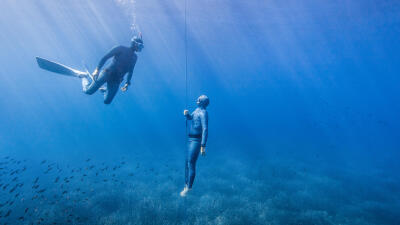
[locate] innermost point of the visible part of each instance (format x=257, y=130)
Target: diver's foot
x=86, y=76
x=85, y=83
x=185, y=191
x=83, y=76
x=103, y=89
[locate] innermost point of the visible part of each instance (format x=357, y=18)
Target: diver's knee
x=192, y=165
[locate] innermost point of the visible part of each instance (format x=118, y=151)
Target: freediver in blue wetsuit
x=124, y=62
x=198, y=134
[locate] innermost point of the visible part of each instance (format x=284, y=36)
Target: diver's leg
x=90, y=87
x=112, y=89
x=187, y=165
x=190, y=161
x=193, y=155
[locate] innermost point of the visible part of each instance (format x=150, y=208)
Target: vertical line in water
x=186, y=58
x=186, y=67
x=186, y=92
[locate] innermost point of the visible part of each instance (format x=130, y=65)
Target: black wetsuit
x=124, y=61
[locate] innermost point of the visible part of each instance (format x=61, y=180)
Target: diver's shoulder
x=117, y=47
x=202, y=111
x=121, y=48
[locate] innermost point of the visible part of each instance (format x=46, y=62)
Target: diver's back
x=124, y=59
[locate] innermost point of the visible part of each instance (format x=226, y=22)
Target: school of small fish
x=23, y=196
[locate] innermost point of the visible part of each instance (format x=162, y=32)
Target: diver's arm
x=129, y=77
x=187, y=114
x=128, y=81
x=110, y=54
x=204, y=136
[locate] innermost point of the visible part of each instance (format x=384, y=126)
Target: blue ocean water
x=303, y=119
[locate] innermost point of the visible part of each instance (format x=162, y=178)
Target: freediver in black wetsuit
x=123, y=62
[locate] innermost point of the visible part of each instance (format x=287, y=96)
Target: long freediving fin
x=58, y=68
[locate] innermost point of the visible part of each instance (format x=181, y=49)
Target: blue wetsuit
x=124, y=62
x=198, y=134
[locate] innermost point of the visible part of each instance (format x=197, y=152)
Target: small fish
x=57, y=179
x=15, y=178
x=41, y=190
x=36, y=180
x=21, y=218
x=13, y=189
x=43, y=162
x=48, y=170
x=65, y=192
x=8, y=213
x=35, y=186
x=26, y=210
x=87, y=160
